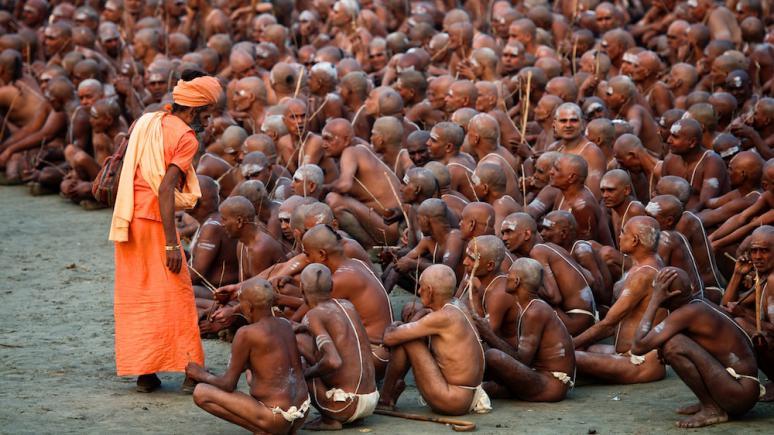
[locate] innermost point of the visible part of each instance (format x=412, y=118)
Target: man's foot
x=90, y=204
x=705, y=417
x=321, y=423
x=188, y=386
x=148, y=383
x=37, y=189
x=689, y=409
x=769, y=396
x=389, y=404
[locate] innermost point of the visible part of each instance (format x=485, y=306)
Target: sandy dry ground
x=56, y=351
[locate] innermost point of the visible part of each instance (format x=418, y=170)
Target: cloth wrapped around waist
x=293, y=413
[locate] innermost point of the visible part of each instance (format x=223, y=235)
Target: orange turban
x=201, y=91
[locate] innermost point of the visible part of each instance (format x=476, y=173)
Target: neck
x=486, y=280
x=492, y=196
x=334, y=261
x=642, y=257
x=440, y=232
x=746, y=188
x=620, y=209
x=572, y=143
x=258, y=313
x=526, y=247
x=256, y=110
x=248, y=233
x=647, y=161
x=694, y=154
x=525, y=297
x=203, y=215
x=573, y=190
x=485, y=148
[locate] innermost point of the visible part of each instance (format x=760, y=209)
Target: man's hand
x=280, y=281
x=406, y=264
x=223, y=314
x=661, y=286
x=231, y=290
x=195, y=372
x=743, y=265
x=174, y=260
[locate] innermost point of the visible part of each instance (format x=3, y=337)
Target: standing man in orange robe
x=155, y=311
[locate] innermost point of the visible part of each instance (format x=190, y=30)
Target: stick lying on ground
x=457, y=425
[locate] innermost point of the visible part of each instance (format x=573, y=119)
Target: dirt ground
x=57, y=373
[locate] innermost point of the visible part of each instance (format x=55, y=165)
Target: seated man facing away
x=341, y=375
x=616, y=363
x=707, y=350
x=540, y=367
x=449, y=366
x=279, y=399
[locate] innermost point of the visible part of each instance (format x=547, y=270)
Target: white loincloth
x=737, y=376
x=564, y=377
x=366, y=403
x=582, y=311
x=293, y=413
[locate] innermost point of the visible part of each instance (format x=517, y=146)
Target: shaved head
x=257, y=292
x=441, y=279
x=316, y=279
x=238, y=207
x=529, y=272
x=674, y=186
x=490, y=248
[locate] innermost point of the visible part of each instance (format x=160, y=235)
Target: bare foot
x=148, y=383
x=705, y=417
x=321, y=423
x=689, y=409
x=389, y=405
x=769, y=396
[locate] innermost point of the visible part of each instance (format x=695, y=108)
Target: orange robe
x=155, y=313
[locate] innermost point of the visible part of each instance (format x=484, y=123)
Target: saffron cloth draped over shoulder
x=146, y=151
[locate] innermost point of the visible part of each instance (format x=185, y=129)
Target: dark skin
x=453, y=358
x=524, y=371
x=699, y=342
x=707, y=176
x=746, y=190
x=336, y=364
x=612, y=362
x=266, y=348
x=490, y=298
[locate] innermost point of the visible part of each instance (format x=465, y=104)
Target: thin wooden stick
x=729, y=256
x=207, y=284
x=400, y=203
x=524, y=185
x=758, y=294
x=596, y=64
x=525, y=115
x=369, y=192
x=574, y=53
x=298, y=82
x=457, y=425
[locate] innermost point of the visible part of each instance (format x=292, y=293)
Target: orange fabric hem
x=156, y=322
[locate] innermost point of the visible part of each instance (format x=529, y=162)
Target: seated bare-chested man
x=445, y=145
x=744, y=173
x=490, y=182
x=643, y=168
x=673, y=247
x=568, y=128
x=566, y=285
x=568, y=175
x=354, y=281
x=266, y=210
x=703, y=345
x=616, y=363
x=703, y=168
x=256, y=250
x=335, y=344
x=442, y=348
x=279, y=399
x=362, y=191
x=760, y=213
x=213, y=254
x=442, y=243
x=559, y=227
x=107, y=128
x=541, y=365
x=484, y=290
x=46, y=141
x=541, y=195
x=742, y=305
